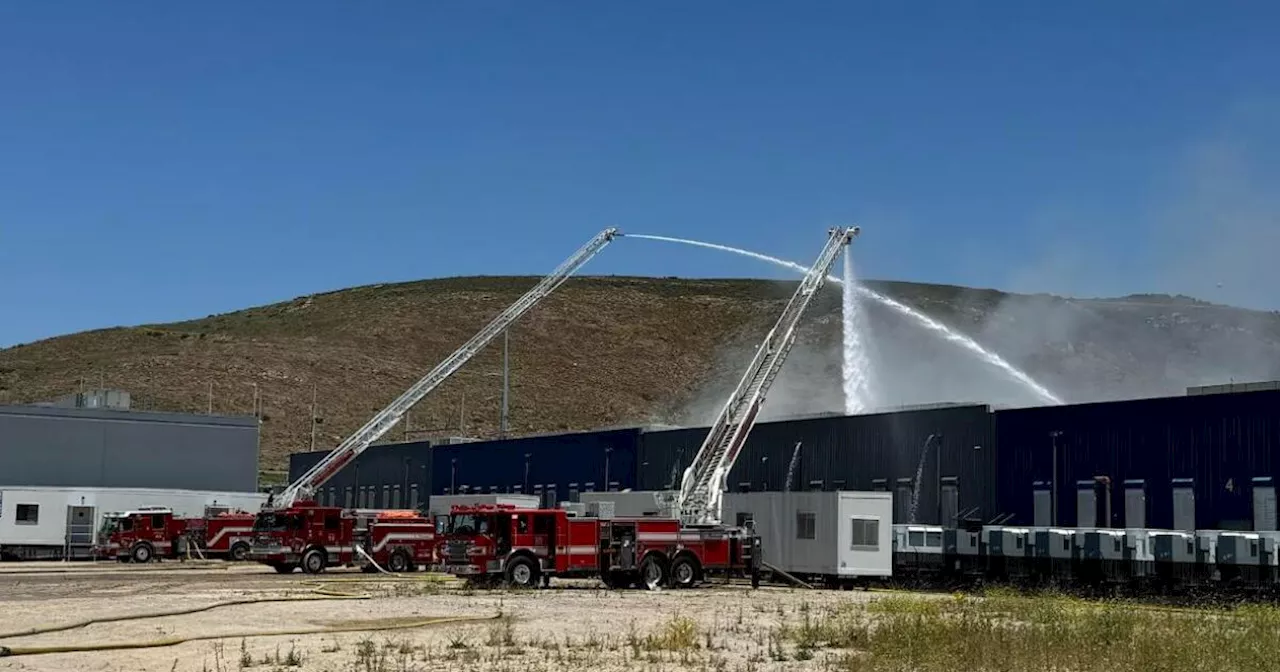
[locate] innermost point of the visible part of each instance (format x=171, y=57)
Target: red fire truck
x=487, y=543
x=316, y=537
x=154, y=532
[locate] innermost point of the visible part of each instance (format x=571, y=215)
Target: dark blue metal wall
x=853, y=453
x=1220, y=441
x=586, y=461
x=377, y=473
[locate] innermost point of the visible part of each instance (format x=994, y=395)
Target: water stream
x=924, y=320
x=856, y=367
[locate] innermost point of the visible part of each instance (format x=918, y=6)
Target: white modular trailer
x=838, y=536
x=53, y=522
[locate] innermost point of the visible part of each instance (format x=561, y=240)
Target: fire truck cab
x=148, y=533
x=141, y=535
x=525, y=547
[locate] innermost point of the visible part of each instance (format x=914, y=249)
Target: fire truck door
x=502, y=534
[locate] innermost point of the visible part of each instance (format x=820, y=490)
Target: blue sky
x=171, y=160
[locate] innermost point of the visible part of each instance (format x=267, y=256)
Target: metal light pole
x=607, y=450
x=313, y=412
x=1053, y=484
x=453, y=476
x=526, y=471
x=506, y=383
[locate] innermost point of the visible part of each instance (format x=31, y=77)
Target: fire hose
x=7, y=651
x=321, y=589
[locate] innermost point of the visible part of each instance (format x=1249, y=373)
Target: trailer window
x=933, y=539
x=866, y=534
x=28, y=514
x=913, y=538
x=806, y=525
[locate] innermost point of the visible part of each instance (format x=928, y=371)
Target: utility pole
x=313, y=415
x=506, y=382
x=462, y=415
x=210, y=398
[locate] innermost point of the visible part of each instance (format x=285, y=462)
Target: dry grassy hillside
x=615, y=351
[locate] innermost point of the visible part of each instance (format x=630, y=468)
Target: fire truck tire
x=522, y=573
x=239, y=551
x=399, y=562
x=141, y=553
x=313, y=561
x=685, y=572
x=653, y=572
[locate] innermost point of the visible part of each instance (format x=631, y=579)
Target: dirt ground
x=568, y=627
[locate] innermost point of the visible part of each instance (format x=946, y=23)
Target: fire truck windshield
x=110, y=524
x=465, y=523
x=276, y=522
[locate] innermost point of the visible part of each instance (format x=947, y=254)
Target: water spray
x=901, y=308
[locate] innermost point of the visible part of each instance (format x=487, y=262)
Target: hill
x=608, y=351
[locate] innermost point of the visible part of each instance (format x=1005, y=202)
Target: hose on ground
x=7, y=651
x=320, y=588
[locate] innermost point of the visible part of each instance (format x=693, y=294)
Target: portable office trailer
x=833, y=537
x=52, y=523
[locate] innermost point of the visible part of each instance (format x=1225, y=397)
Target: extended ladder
x=381, y=423
x=703, y=484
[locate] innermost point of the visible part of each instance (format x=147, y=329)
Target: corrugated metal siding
x=553, y=460
x=850, y=453
x=1220, y=441
x=388, y=465
x=43, y=446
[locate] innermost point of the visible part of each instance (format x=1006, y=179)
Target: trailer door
x=80, y=531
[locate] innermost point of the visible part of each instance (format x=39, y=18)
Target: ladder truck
x=524, y=547
x=704, y=481
x=291, y=509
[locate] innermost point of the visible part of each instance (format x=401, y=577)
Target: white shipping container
x=838, y=535
x=45, y=521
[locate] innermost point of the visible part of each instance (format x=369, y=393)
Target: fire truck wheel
x=239, y=551
x=141, y=553
x=521, y=572
x=399, y=562
x=684, y=572
x=313, y=561
x=653, y=573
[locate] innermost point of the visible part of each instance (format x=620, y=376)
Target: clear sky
x=161, y=160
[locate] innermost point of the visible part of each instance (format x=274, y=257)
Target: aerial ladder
x=703, y=483
x=380, y=424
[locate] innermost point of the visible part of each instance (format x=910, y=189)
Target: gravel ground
x=572, y=626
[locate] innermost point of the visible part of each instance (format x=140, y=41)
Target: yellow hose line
x=319, y=587
x=175, y=612
x=173, y=641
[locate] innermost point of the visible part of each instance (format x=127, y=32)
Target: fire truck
x=293, y=531
x=150, y=533
x=316, y=537
x=526, y=546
